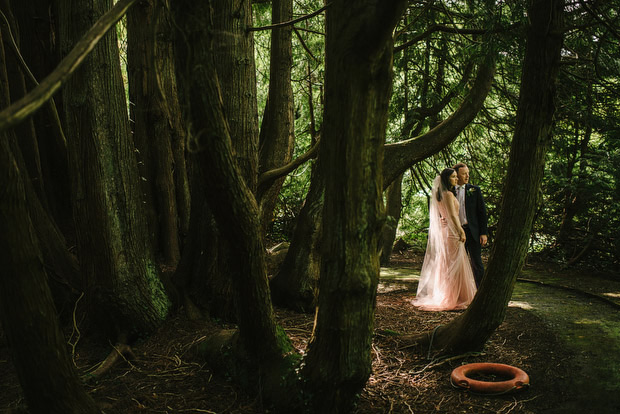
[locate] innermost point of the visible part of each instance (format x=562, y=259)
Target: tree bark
x=358, y=87
x=295, y=285
x=393, y=208
x=38, y=24
x=277, y=139
x=115, y=257
x=27, y=143
x=532, y=137
x=157, y=129
x=44, y=369
x=61, y=264
x=227, y=172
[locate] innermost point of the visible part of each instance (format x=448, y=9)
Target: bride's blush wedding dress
x=446, y=279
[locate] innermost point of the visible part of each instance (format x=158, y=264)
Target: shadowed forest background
x=167, y=164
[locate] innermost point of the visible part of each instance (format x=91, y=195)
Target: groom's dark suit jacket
x=476, y=211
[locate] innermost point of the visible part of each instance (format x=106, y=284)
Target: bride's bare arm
x=453, y=213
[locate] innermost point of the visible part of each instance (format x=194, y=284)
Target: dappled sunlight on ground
x=520, y=304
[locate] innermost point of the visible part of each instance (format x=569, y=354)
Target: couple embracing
x=452, y=268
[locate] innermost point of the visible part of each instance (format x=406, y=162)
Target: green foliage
x=586, y=141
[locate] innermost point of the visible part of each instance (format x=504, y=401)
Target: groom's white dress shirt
x=460, y=195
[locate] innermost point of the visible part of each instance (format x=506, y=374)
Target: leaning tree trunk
x=214, y=259
x=45, y=371
x=358, y=87
x=295, y=285
x=61, y=264
x=115, y=256
x=393, y=208
x=230, y=199
x=27, y=142
x=38, y=31
x=157, y=127
x=532, y=137
x=276, y=141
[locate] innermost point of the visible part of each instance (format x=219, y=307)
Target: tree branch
x=449, y=29
x=31, y=102
x=22, y=62
x=268, y=177
x=401, y=155
x=290, y=22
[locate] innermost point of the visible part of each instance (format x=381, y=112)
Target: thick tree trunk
x=45, y=371
x=61, y=264
x=358, y=87
x=277, y=139
x=532, y=136
x=232, y=45
x=229, y=197
x=115, y=256
x=157, y=127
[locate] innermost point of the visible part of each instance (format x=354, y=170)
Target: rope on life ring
x=518, y=379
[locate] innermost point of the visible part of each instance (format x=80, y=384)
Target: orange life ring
x=518, y=378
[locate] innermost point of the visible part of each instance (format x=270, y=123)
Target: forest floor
x=167, y=377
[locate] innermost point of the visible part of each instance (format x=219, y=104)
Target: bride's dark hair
x=444, y=184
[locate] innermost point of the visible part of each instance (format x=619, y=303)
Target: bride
x=446, y=279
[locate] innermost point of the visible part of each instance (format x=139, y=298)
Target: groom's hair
x=459, y=165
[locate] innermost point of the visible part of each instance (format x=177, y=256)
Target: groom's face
x=463, y=175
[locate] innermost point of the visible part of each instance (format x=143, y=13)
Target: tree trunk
x=276, y=141
x=295, y=285
x=358, y=87
x=45, y=371
x=115, y=256
x=532, y=137
x=27, y=142
x=157, y=127
x=40, y=51
x=61, y=264
x=574, y=201
x=229, y=198
x=214, y=253
x=393, y=208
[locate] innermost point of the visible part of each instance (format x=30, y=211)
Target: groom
x=473, y=215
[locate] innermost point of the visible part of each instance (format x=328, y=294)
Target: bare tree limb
x=268, y=177
x=22, y=62
x=290, y=22
x=401, y=155
x=27, y=105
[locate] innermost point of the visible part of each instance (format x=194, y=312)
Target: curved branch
x=268, y=177
x=451, y=29
x=31, y=102
x=401, y=155
x=290, y=22
x=53, y=111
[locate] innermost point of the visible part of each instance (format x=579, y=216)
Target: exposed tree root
x=120, y=351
